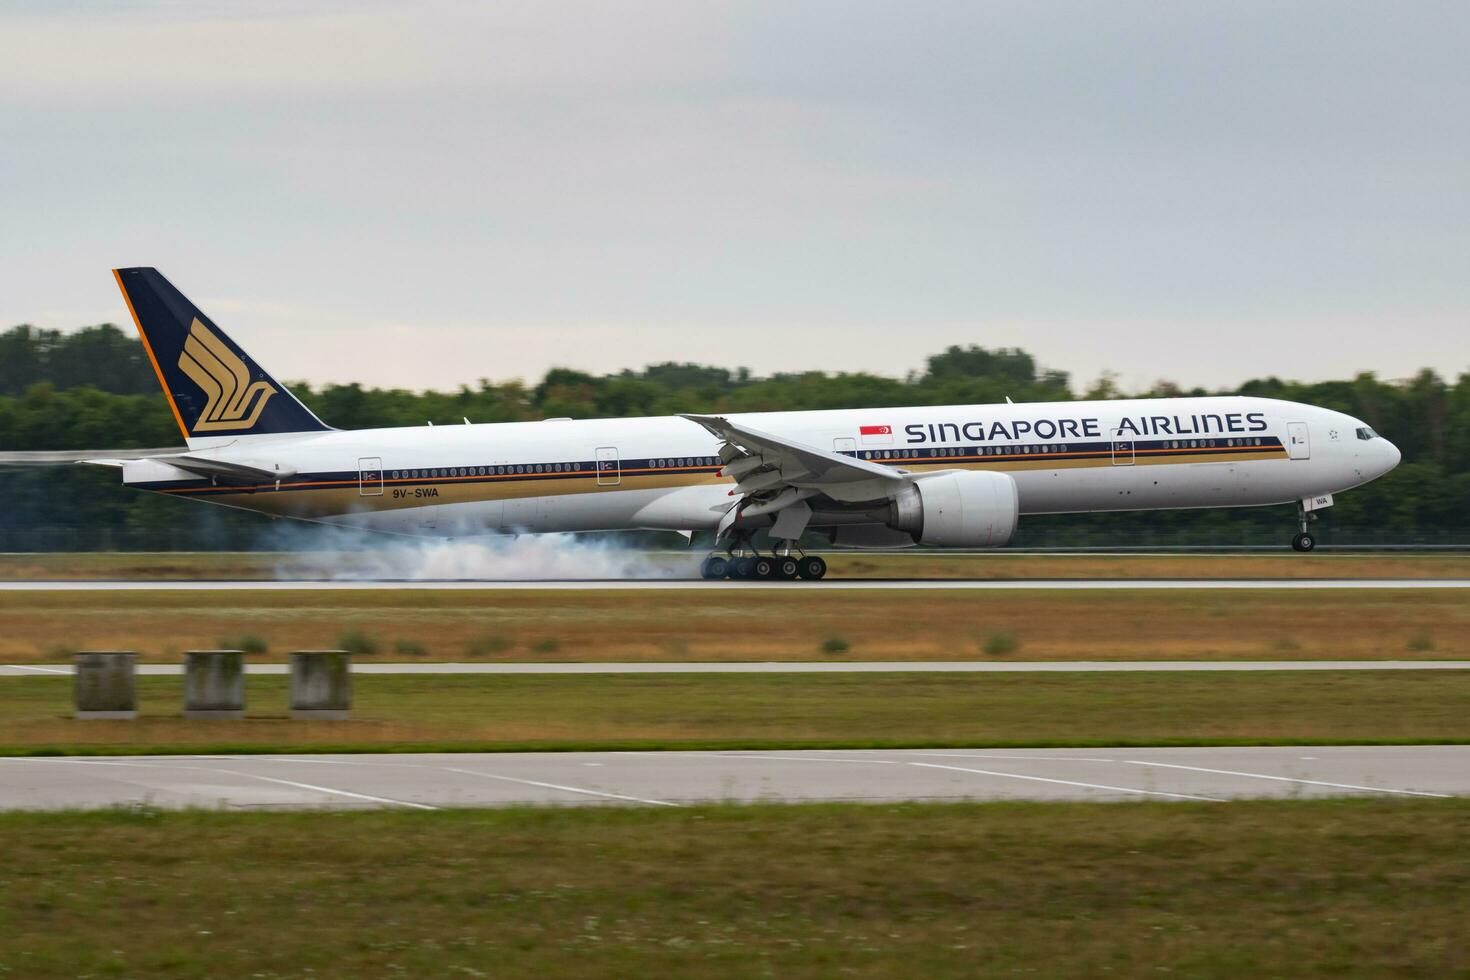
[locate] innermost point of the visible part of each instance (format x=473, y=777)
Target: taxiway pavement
x=429, y=782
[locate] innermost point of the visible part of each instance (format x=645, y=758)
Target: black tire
x=763, y=567
x=714, y=567
x=786, y=568
x=1304, y=542
x=811, y=568
x=743, y=568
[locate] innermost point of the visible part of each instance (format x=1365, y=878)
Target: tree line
x=94, y=388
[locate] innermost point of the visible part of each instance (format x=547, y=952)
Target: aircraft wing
x=776, y=474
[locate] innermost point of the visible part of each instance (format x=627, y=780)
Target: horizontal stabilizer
x=71, y=457
x=224, y=471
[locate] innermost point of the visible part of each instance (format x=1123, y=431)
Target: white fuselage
x=663, y=473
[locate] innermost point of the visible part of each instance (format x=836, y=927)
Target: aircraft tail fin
x=214, y=388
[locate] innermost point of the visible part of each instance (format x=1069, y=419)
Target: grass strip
x=687, y=711
x=747, y=625
x=1316, y=888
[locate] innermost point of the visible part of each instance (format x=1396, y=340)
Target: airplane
x=957, y=476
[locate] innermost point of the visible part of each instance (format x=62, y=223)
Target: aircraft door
x=1297, y=444
x=609, y=469
x=848, y=445
x=370, y=476
x=1122, y=448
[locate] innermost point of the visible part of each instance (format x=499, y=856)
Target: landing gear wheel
x=763, y=567
x=811, y=568
x=743, y=568
x=786, y=568
x=1303, y=542
x=714, y=567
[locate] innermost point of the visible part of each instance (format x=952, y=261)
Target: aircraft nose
x=1391, y=455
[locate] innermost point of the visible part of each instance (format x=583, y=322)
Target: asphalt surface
x=805, y=667
x=676, y=778
x=94, y=585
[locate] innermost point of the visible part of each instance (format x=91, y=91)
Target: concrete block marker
x=104, y=685
x=321, y=685
x=214, y=684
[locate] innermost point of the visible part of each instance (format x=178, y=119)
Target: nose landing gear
x=1304, y=541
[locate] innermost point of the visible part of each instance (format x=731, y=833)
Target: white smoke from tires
x=344, y=555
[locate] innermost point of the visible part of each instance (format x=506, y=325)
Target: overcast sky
x=426, y=194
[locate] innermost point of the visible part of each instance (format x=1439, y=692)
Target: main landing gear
x=783, y=566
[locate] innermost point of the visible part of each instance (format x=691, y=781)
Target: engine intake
x=963, y=509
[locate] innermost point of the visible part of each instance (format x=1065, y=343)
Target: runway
x=246, y=585
x=804, y=667
x=428, y=782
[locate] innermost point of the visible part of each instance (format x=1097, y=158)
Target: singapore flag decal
x=876, y=435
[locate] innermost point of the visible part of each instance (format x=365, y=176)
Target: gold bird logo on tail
x=231, y=401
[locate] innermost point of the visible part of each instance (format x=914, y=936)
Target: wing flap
x=798, y=463
x=774, y=474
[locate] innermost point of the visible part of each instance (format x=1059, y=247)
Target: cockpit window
x=1367, y=433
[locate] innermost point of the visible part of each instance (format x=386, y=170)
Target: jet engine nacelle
x=963, y=509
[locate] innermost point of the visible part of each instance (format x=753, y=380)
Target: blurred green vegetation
x=93, y=389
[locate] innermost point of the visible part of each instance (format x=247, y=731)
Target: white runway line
x=1168, y=765
x=145, y=787
x=327, y=789
x=466, y=772
x=982, y=772
x=1067, y=782
x=72, y=585
x=225, y=772
x=1286, y=779
x=565, y=789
